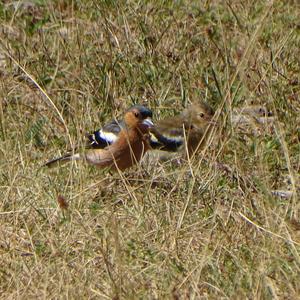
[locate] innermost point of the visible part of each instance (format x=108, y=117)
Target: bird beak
x=148, y=122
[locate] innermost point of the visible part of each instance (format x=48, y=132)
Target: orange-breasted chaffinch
x=128, y=145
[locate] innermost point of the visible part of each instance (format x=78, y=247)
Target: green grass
x=160, y=230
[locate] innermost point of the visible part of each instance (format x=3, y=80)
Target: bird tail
x=63, y=159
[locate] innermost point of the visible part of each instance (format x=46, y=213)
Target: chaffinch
x=128, y=145
x=168, y=134
x=189, y=127
x=108, y=134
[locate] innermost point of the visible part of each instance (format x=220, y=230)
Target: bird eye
x=201, y=115
x=136, y=114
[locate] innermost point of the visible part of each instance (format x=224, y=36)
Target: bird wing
x=165, y=142
x=105, y=136
x=167, y=134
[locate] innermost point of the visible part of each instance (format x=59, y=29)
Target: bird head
x=138, y=116
x=198, y=115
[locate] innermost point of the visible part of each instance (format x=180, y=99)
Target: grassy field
x=211, y=228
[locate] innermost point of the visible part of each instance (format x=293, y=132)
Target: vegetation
x=211, y=227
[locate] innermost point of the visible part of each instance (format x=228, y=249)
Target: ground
x=223, y=225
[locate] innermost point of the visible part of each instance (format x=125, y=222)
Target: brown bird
x=130, y=145
x=190, y=128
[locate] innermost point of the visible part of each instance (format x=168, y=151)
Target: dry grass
x=195, y=230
